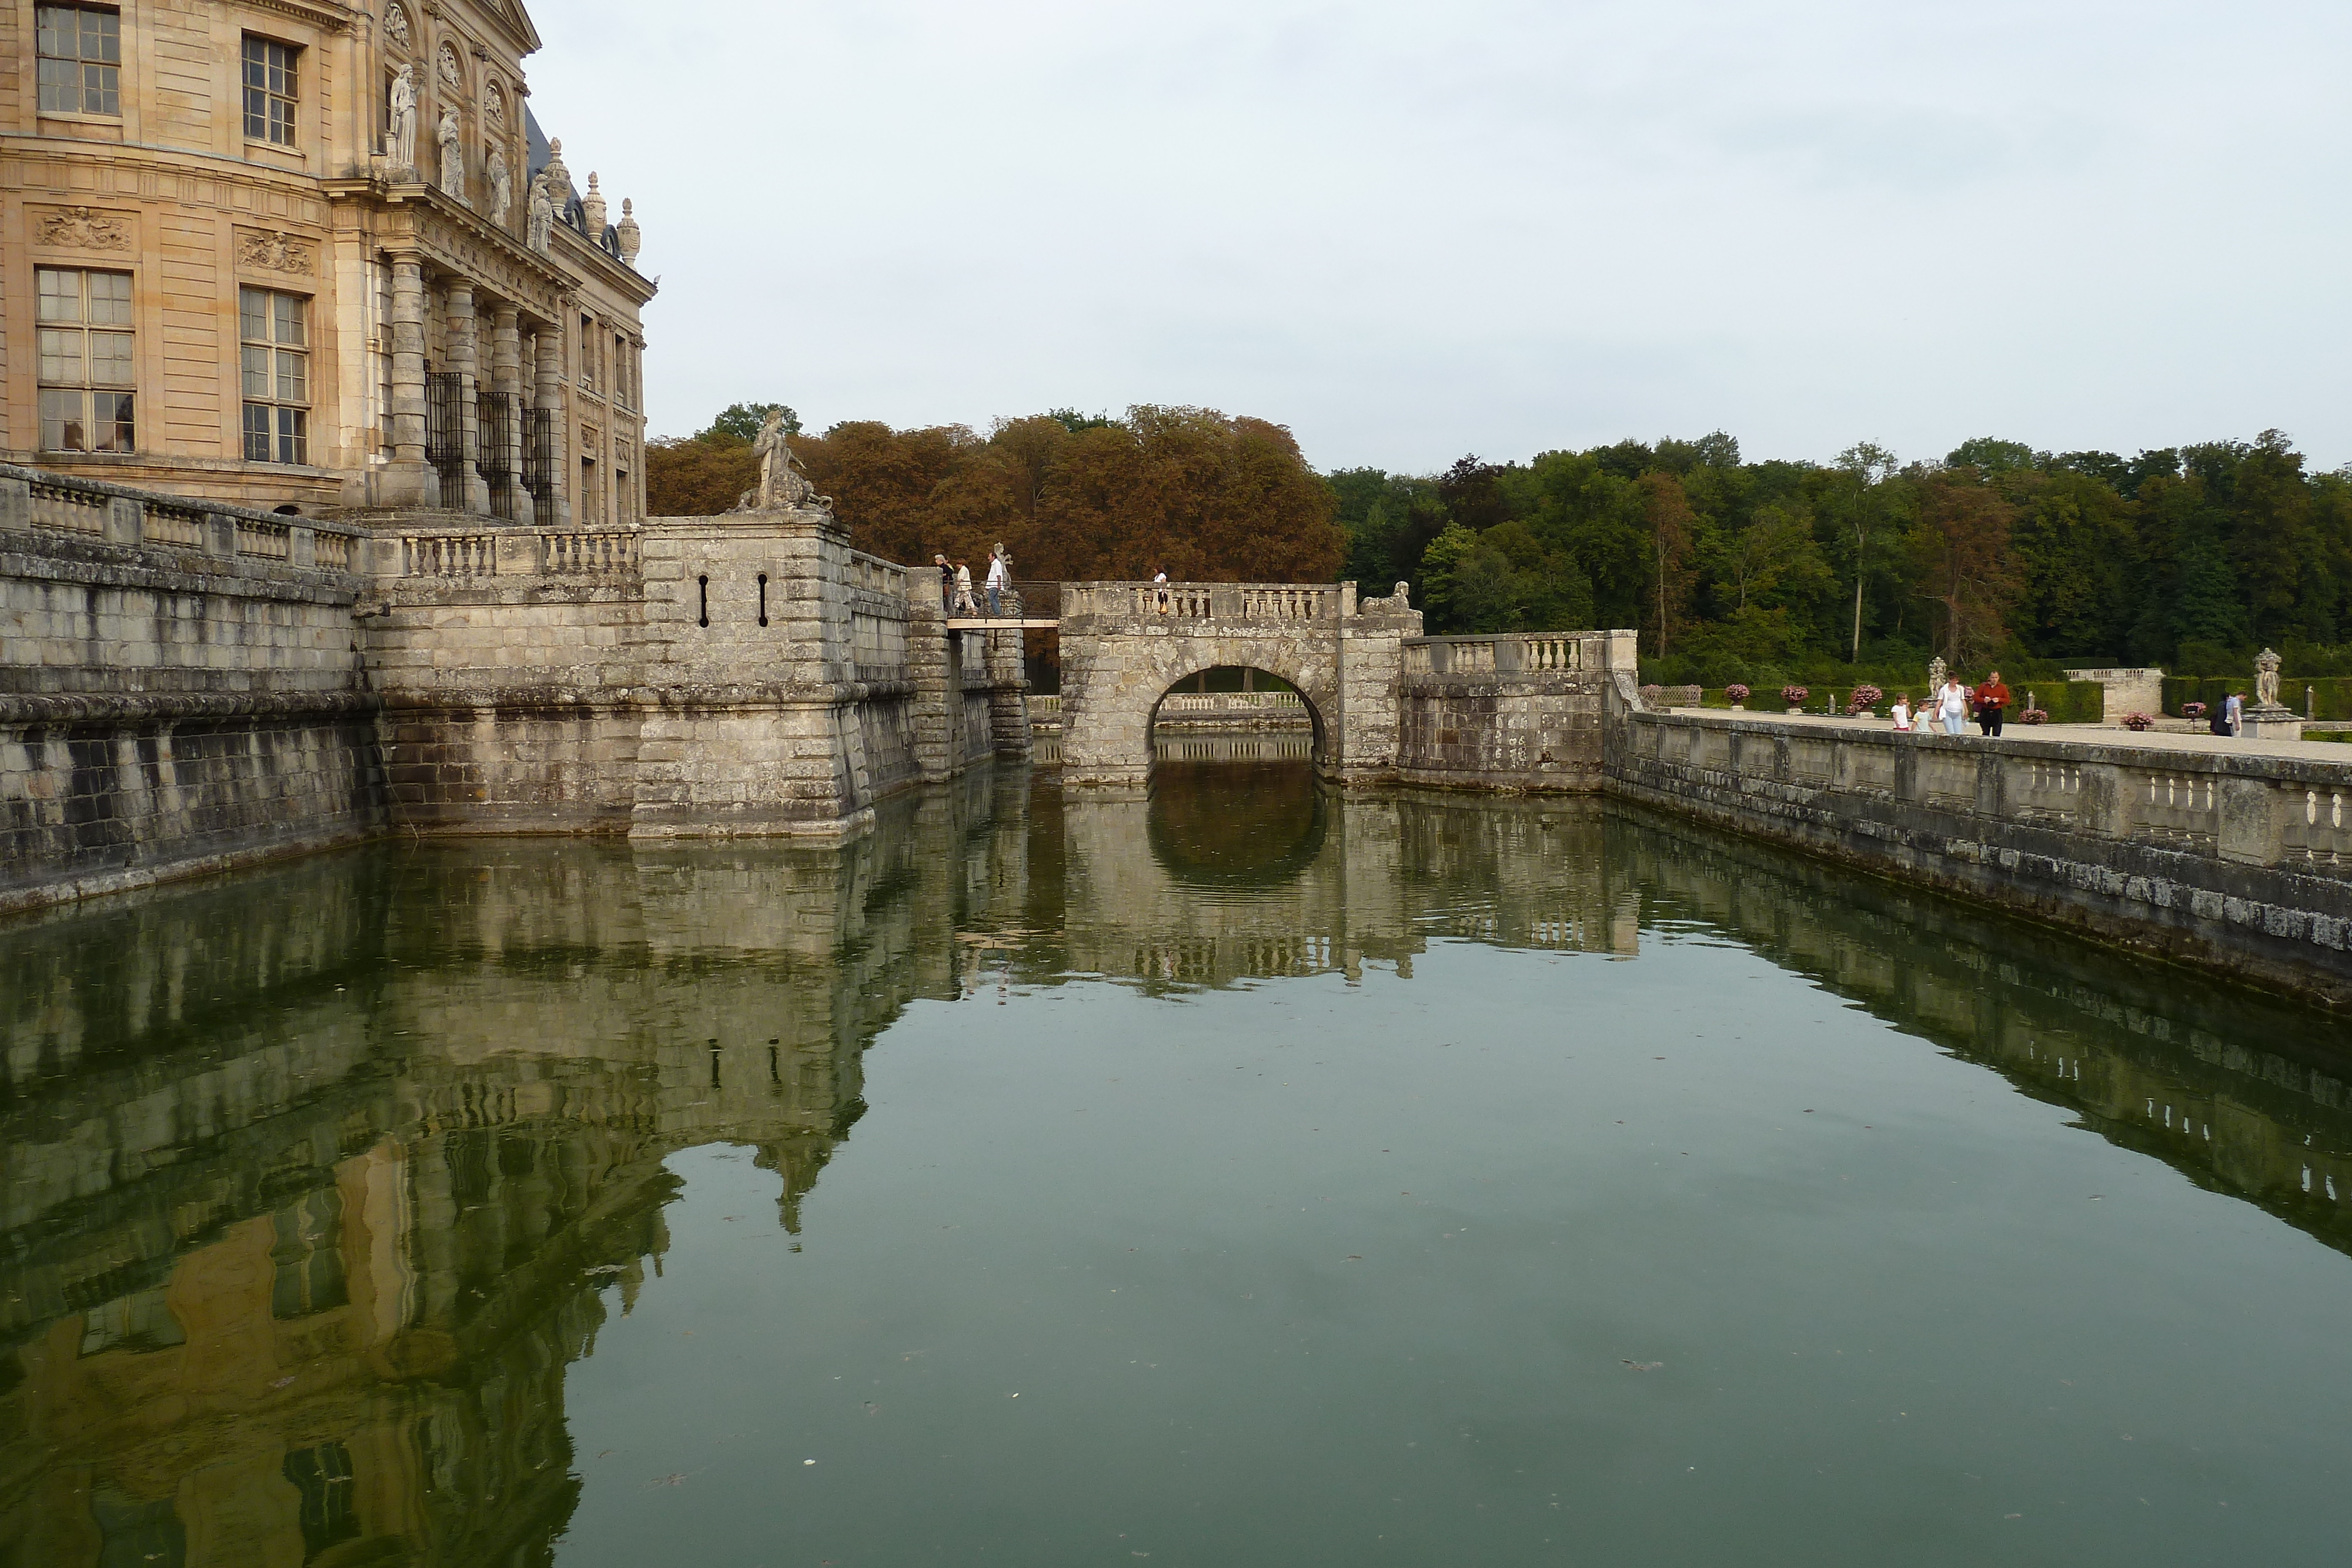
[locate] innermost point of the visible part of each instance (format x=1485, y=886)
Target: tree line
x=1075, y=498
x=2190, y=558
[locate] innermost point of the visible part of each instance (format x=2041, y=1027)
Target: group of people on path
x=955, y=583
x=1953, y=704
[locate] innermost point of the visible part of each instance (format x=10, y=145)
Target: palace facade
x=310, y=256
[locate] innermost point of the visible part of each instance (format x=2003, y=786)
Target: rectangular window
x=269, y=91
x=87, y=360
x=274, y=342
x=308, y=1258
x=81, y=61
x=589, y=345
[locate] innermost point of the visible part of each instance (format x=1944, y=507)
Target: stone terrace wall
x=508, y=660
x=1515, y=711
x=740, y=674
x=179, y=688
x=2241, y=865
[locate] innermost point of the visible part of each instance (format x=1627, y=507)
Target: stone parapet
x=2237, y=863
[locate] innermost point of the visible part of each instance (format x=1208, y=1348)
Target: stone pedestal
x=2273, y=721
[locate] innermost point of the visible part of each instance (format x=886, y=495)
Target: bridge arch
x=1124, y=645
x=1112, y=694
x=1314, y=712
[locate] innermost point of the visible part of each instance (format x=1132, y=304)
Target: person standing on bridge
x=1952, y=705
x=999, y=579
x=1991, y=697
x=963, y=602
x=947, y=586
x=1159, y=591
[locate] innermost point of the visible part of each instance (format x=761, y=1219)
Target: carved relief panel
x=80, y=228
x=275, y=250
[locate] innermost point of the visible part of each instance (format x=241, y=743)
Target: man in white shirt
x=999, y=579
x=1160, y=591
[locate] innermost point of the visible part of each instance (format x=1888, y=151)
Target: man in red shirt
x=1990, y=698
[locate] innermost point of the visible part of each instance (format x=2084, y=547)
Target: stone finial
x=632, y=238
x=592, y=209
x=559, y=177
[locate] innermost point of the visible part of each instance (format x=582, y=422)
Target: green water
x=1249, y=1175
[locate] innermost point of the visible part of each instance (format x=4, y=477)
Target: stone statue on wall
x=540, y=216
x=501, y=184
x=779, y=487
x=404, y=121
x=2266, y=679
x=1937, y=673
x=453, y=161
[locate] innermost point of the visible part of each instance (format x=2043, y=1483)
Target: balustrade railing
x=182, y=525
x=269, y=541
x=448, y=555
x=590, y=553
x=67, y=509
x=1241, y=602
x=1508, y=654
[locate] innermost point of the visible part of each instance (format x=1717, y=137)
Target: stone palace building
x=305, y=255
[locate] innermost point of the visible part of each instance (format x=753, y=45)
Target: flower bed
x=2139, y=721
x=2034, y=715
x=1794, y=696
x=1864, y=699
x=1735, y=693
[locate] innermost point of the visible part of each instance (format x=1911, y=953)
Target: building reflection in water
x=314, y=1181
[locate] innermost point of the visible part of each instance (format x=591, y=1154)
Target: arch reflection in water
x=313, y=1184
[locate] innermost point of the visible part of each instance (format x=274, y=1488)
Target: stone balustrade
x=1519, y=653
x=2235, y=861
x=1245, y=602
x=55, y=504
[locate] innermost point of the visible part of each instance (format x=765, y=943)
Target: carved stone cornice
x=421, y=218
x=328, y=18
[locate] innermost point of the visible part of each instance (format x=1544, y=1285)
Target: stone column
x=506, y=376
x=408, y=480
x=465, y=362
x=555, y=506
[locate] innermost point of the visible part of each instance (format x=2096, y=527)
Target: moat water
x=1247, y=1175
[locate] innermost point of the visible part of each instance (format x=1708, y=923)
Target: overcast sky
x=1413, y=231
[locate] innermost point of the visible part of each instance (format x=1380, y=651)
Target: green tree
x=742, y=420
x=1867, y=468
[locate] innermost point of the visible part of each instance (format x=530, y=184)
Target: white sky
x=1408, y=232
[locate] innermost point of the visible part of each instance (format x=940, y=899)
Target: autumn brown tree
x=1961, y=546
x=698, y=475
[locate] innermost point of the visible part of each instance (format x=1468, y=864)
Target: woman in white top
x=1903, y=713
x=1952, y=704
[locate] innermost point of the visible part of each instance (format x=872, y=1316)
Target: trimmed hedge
x=2333, y=694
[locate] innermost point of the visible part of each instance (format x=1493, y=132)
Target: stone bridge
x=1125, y=644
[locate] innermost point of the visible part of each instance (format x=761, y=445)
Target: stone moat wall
x=2239, y=864
x=185, y=687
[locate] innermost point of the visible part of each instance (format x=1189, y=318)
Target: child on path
x=1902, y=712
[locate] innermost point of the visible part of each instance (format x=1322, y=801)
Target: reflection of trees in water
x=2240, y=1092
x=314, y=1182
x=1236, y=824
